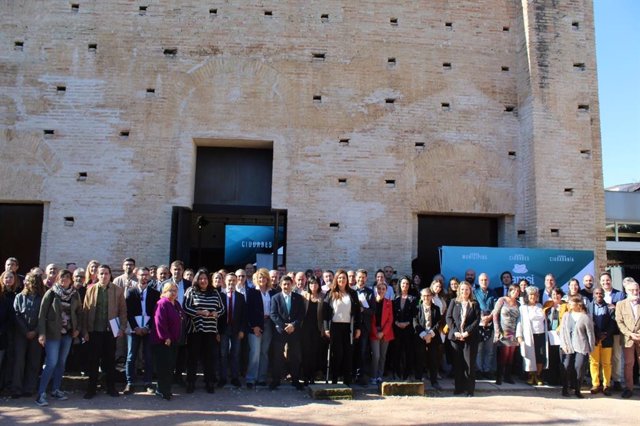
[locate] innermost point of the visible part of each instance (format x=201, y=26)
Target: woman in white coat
x=531, y=333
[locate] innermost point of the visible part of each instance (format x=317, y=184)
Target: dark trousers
x=427, y=358
x=464, y=361
x=293, y=356
x=181, y=361
x=362, y=355
x=28, y=357
x=554, y=372
x=202, y=347
x=505, y=361
x=164, y=360
x=102, y=352
x=312, y=344
x=341, y=352
x=573, y=370
x=404, y=353
x=229, y=355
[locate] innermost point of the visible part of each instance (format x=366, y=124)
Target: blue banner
x=532, y=264
x=243, y=242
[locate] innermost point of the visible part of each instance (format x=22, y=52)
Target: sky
x=618, y=62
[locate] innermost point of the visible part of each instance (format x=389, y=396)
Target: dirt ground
x=287, y=406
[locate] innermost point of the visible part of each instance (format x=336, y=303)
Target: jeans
x=259, y=354
x=486, y=361
x=229, y=348
x=134, y=343
x=573, y=371
x=56, y=352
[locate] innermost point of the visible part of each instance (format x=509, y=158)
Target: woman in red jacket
x=381, y=333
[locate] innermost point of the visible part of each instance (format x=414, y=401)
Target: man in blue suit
x=287, y=312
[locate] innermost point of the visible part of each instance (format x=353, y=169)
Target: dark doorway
x=21, y=234
x=437, y=231
x=232, y=190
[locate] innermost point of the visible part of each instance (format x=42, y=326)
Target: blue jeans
x=134, y=342
x=56, y=352
x=486, y=361
x=229, y=348
x=259, y=354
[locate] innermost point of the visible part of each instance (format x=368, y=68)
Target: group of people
x=260, y=327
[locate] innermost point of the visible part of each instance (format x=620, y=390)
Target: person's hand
x=218, y=338
x=240, y=335
x=31, y=335
x=427, y=339
x=380, y=335
x=86, y=337
x=289, y=328
x=120, y=333
x=42, y=340
x=137, y=331
x=167, y=342
x=520, y=340
x=327, y=334
x=75, y=333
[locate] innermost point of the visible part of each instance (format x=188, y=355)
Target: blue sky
x=618, y=56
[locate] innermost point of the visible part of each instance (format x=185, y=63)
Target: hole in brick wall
x=509, y=108
x=521, y=232
x=568, y=191
x=579, y=66
x=334, y=225
x=445, y=106
x=142, y=10
x=342, y=181
x=49, y=132
x=172, y=51
x=512, y=155
x=268, y=13
x=344, y=141
x=583, y=108
x=124, y=134
x=82, y=176
x=505, y=29
x=92, y=47
x=393, y=22
x=324, y=17
x=419, y=144
x=61, y=89
x=390, y=183
x=575, y=25
x=69, y=220
x=448, y=25
x=391, y=62
x=504, y=68
x=586, y=153
x=151, y=91
x=446, y=65
x=318, y=56
x=75, y=7
x=390, y=101
x=18, y=45
x=213, y=12
x=555, y=232
x=317, y=99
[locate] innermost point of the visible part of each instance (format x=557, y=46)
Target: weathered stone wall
x=484, y=119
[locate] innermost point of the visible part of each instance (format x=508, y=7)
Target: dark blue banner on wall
x=243, y=242
x=532, y=264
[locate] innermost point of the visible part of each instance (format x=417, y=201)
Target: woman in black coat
x=463, y=316
x=404, y=311
x=341, y=325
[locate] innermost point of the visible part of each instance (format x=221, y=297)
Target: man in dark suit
x=233, y=327
x=287, y=313
x=141, y=302
x=362, y=353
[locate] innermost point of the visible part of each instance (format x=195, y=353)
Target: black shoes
x=166, y=396
x=128, y=390
x=235, y=383
x=249, y=385
x=627, y=393
x=114, y=393
x=274, y=385
x=89, y=394
x=191, y=387
x=221, y=383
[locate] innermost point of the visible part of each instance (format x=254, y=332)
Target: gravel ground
x=491, y=405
